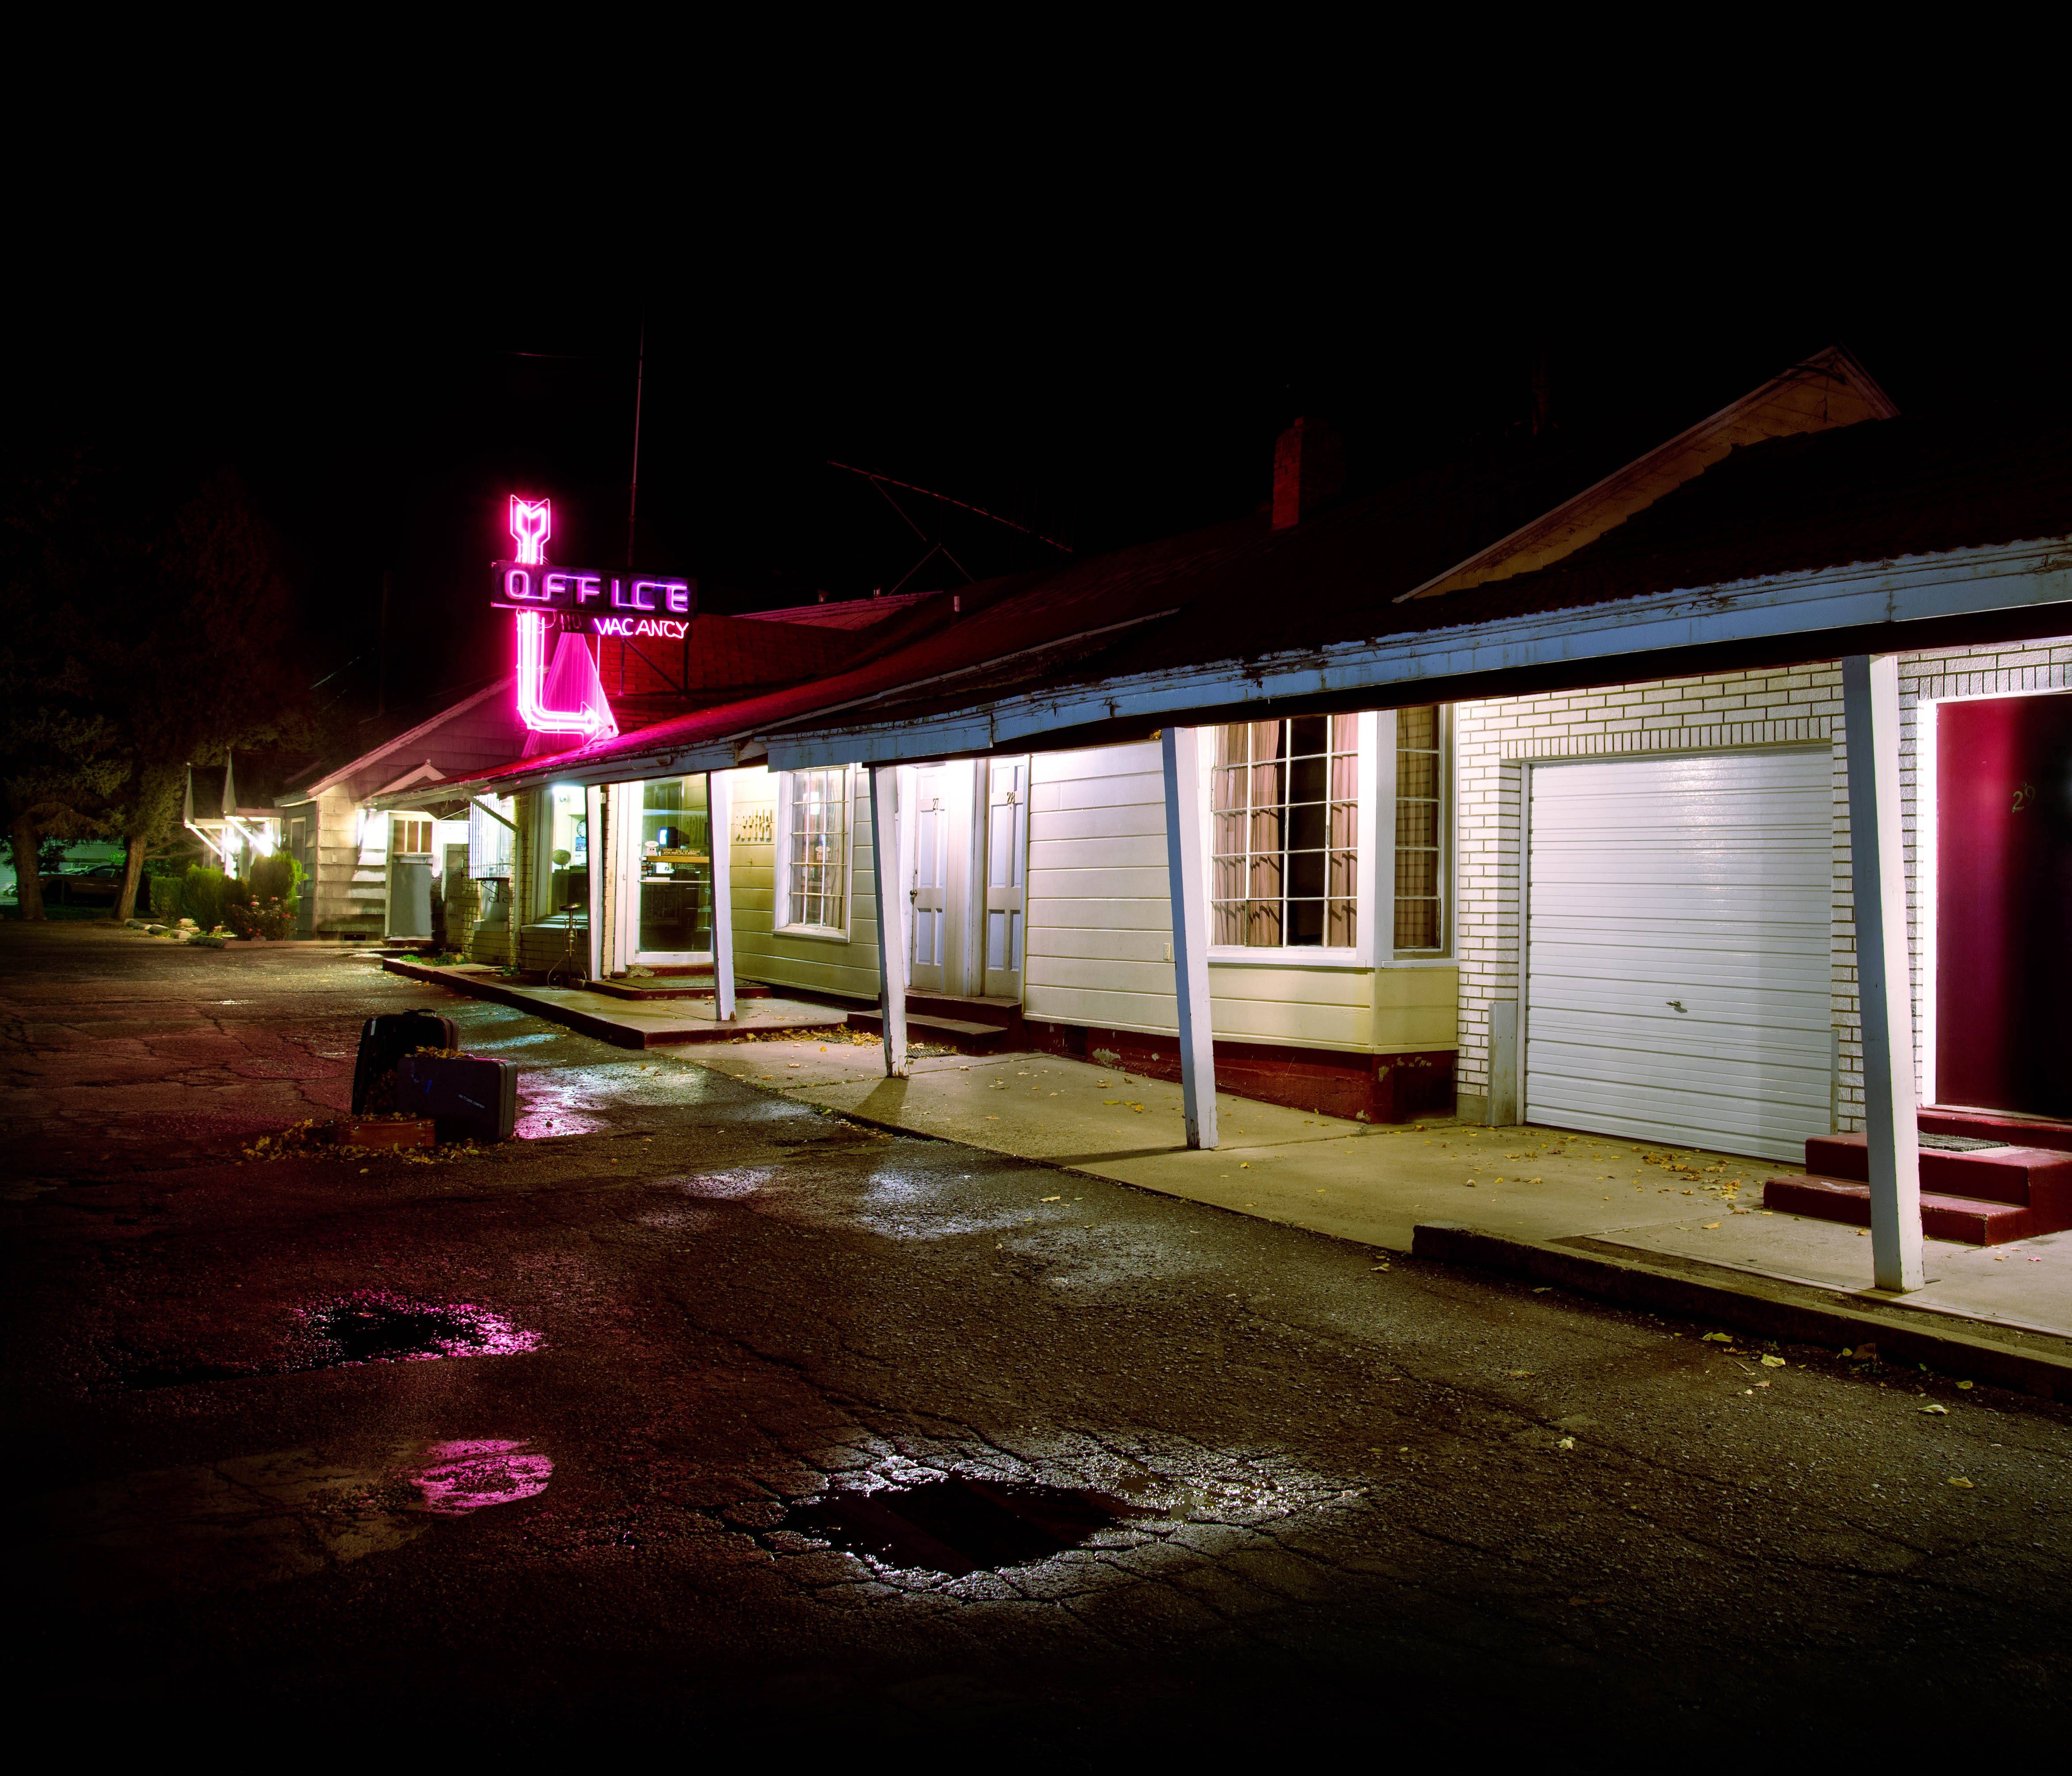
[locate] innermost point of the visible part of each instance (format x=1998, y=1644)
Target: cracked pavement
x=1365, y=1496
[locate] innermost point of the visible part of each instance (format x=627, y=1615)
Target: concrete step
x=1990, y=1125
x=2040, y=1178
x=1002, y=1014
x=959, y=1034
x=671, y=987
x=1964, y=1219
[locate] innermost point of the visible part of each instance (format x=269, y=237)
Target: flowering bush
x=260, y=918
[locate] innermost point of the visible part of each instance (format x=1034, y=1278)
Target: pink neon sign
x=583, y=708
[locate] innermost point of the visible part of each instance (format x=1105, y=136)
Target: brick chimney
x=1308, y=470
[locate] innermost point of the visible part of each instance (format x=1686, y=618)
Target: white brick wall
x=1797, y=705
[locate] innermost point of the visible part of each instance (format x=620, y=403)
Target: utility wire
x=850, y=468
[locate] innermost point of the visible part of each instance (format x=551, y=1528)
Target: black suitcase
x=468, y=1099
x=384, y=1041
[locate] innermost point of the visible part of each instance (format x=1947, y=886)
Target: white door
x=1677, y=972
x=409, y=876
x=1006, y=866
x=936, y=880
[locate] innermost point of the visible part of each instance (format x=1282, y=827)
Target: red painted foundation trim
x=1323, y=1081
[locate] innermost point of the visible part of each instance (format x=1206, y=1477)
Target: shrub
x=202, y=896
x=166, y=899
x=276, y=878
x=253, y=918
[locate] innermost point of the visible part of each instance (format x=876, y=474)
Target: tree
x=166, y=589
x=59, y=757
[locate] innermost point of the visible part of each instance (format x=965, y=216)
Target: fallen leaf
x=1939, y=1412
x=1520, y=1375
x=1053, y=1199
x=1719, y=1338
x=1710, y=1225
x=1963, y=1384
x=1772, y=1362
x=1565, y=1443
x=1955, y=1481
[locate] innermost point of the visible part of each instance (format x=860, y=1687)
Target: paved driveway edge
x=1765, y=1307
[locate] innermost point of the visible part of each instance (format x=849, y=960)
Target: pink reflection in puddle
x=460, y=1477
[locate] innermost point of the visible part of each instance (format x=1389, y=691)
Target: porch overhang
x=2017, y=591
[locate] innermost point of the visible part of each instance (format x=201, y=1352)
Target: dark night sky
x=382, y=413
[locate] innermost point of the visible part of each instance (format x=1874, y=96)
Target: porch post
x=1870, y=709
x=1184, y=851
x=891, y=907
x=597, y=866
x=719, y=832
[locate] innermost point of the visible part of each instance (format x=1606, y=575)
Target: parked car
x=97, y=886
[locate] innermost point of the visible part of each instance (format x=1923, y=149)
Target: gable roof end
x=1829, y=389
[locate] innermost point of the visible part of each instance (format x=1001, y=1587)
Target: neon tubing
x=531, y=685
x=532, y=523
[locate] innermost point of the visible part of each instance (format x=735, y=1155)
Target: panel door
x=1006, y=871
x=409, y=876
x=939, y=887
x=1677, y=971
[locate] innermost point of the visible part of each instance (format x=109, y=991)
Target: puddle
x=958, y=1526
x=722, y=1187
x=458, y=1477
x=369, y=1325
x=378, y=1326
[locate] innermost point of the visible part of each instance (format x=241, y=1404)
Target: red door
x=2003, y=905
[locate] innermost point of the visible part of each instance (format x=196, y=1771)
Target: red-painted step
x=1967, y=1220
x=1985, y=1125
x=2036, y=1177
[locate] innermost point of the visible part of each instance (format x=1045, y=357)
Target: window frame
x=1360, y=953
x=781, y=925
x=1385, y=801
x=1375, y=901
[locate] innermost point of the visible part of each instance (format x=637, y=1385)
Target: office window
x=816, y=848
x=1285, y=812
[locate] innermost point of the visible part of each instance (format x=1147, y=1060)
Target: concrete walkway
x=1376, y=1185
x=622, y=1022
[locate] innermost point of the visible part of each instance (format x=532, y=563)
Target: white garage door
x=1677, y=961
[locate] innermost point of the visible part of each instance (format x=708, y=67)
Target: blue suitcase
x=468, y=1099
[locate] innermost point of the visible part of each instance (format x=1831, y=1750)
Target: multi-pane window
x=1285, y=800
x=1418, y=792
x=818, y=853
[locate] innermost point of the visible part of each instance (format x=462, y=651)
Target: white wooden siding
x=1703, y=880
x=817, y=964
x=1100, y=929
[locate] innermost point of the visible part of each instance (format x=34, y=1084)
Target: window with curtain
x=1419, y=792
x=817, y=851
x=1284, y=806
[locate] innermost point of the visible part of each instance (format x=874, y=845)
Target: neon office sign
x=529, y=583
x=624, y=606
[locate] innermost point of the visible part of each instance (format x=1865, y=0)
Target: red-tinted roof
x=1241, y=590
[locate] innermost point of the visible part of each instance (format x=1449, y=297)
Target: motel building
x=1714, y=792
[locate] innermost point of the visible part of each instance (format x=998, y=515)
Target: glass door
x=674, y=914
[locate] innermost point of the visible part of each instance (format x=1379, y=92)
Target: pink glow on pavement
x=465, y=1475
